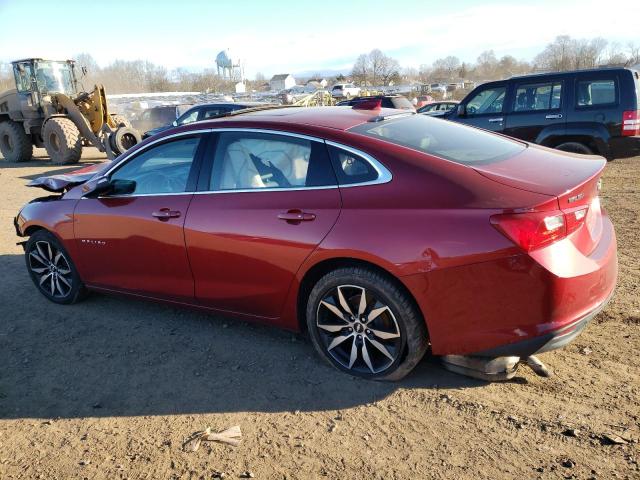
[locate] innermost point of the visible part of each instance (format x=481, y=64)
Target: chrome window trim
x=384, y=175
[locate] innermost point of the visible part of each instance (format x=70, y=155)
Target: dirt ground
x=109, y=388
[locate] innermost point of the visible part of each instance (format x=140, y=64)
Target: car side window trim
x=384, y=175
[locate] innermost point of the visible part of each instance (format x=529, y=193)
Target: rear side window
x=451, y=141
x=257, y=161
x=596, y=92
x=351, y=168
x=543, y=96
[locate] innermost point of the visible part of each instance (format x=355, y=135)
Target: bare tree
x=446, y=68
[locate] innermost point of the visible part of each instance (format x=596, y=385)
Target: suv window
x=213, y=112
x=189, y=117
x=452, y=141
x=351, y=168
x=541, y=96
x=596, y=92
x=489, y=100
x=160, y=169
x=248, y=161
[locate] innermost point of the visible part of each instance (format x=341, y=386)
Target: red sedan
x=382, y=233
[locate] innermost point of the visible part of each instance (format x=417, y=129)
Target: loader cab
x=44, y=77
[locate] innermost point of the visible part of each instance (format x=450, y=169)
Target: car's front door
x=135, y=242
x=536, y=110
x=267, y=202
x=485, y=109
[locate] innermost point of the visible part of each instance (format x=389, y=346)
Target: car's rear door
x=265, y=200
x=536, y=112
x=135, y=242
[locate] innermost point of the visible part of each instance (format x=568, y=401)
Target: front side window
x=542, y=96
x=189, y=117
x=161, y=169
x=596, y=92
x=487, y=101
x=452, y=141
x=258, y=161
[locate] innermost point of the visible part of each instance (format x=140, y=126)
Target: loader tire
x=121, y=121
x=62, y=140
x=123, y=139
x=15, y=144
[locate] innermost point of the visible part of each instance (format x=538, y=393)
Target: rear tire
x=123, y=139
x=574, y=147
x=62, y=140
x=121, y=121
x=52, y=270
x=384, y=339
x=15, y=144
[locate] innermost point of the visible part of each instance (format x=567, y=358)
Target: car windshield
x=55, y=77
x=448, y=140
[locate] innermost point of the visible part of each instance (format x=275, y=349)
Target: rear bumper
x=552, y=340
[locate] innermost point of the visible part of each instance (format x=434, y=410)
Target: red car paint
x=430, y=227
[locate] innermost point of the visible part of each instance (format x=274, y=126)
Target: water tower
x=229, y=66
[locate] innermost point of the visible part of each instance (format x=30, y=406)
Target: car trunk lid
x=574, y=180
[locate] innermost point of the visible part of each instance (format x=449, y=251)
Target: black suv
x=585, y=111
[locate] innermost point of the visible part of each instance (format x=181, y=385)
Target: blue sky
x=296, y=36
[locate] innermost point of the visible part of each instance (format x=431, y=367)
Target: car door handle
x=166, y=214
x=496, y=120
x=554, y=115
x=296, y=216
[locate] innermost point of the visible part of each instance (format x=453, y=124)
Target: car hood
x=543, y=170
x=63, y=182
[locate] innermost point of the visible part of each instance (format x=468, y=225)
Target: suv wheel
x=574, y=147
x=52, y=270
x=362, y=323
x=15, y=144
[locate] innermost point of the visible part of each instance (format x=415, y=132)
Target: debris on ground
x=231, y=436
x=613, y=439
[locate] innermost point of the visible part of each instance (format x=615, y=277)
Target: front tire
x=363, y=323
x=121, y=121
x=62, y=140
x=15, y=144
x=52, y=270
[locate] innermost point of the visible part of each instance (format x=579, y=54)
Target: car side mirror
x=461, y=110
x=106, y=187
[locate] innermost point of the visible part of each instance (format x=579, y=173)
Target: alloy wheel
x=358, y=330
x=51, y=268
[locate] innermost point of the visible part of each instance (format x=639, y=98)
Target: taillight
x=533, y=230
x=631, y=123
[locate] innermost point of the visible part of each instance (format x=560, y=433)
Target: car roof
x=569, y=72
x=340, y=118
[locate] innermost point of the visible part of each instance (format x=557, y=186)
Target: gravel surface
x=110, y=388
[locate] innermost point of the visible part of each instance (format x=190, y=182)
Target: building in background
x=282, y=81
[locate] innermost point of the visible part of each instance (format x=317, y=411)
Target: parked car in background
x=441, y=107
x=385, y=101
x=438, y=88
x=202, y=111
x=585, y=111
x=154, y=117
x=383, y=234
x=345, y=90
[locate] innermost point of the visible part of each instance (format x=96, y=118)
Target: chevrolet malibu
x=383, y=234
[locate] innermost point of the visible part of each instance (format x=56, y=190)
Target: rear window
x=448, y=140
x=596, y=92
